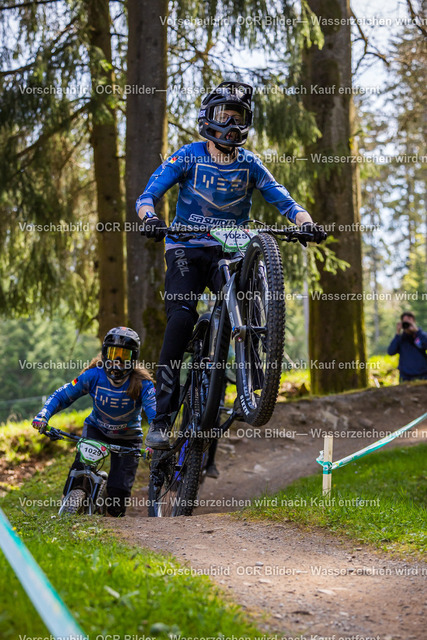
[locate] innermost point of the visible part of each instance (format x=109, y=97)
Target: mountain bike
x=251, y=310
x=90, y=496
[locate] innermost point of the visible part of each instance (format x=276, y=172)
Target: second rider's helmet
x=120, y=351
x=214, y=114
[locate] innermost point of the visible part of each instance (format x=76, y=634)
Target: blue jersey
x=114, y=413
x=211, y=193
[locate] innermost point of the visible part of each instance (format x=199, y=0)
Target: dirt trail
x=292, y=580
x=268, y=569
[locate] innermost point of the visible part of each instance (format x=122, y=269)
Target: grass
x=110, y=587
x=380, y=500
x=20, y=442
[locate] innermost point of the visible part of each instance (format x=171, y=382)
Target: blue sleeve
x=168, y=174
x=66, y=395
x=421, y=340
x=275, y=193
x=148, y=397
x=394, y=346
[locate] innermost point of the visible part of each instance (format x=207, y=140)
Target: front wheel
x=74, y=503
x=259, y=355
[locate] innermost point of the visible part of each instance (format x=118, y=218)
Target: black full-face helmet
x=120, y=351
x=227, y=110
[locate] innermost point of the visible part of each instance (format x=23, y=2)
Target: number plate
x=92, y=450
x=233, y=238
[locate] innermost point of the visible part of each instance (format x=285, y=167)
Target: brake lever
x=52, y=435
x=181, y=238
x=300, y=237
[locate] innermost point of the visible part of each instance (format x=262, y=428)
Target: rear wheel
x=174, y=484
x=74, y=503
x=259, y=356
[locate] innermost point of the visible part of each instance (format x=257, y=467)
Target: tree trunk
x=146, y=144
x=337, y=337
x=107, y=175
x=375, y=261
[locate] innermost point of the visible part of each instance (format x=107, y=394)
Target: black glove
x=318, y=232
x=154, y=228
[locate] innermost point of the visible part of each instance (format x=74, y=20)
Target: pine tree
x=107, y=170
x=146, y=140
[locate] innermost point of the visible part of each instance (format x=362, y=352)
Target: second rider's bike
x=86, y=489
x=251, y=310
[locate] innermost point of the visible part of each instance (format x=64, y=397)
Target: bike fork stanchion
x=327, y=464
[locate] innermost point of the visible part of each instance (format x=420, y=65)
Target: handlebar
x=286, y=234
x=57, y=434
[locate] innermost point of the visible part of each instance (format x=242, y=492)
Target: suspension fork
x=210, y=411
x=229, y=290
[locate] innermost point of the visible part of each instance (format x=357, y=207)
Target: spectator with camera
x=410, y=342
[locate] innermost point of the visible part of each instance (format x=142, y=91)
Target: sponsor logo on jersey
x=113, y=403
x=220, y=187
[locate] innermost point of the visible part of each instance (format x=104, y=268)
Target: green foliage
x=39, y=357
x=380, y=499
x=382, y=369
x=393, y=193
x=415, y=281
x=20, y=442
x=44, y=168
x=46, y=173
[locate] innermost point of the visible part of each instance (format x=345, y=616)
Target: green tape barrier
x=372, y=447
x=47, y=602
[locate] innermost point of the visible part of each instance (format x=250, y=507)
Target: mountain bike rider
x=120, y=387
x=216, y=180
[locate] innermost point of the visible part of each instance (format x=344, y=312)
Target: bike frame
x=205, y=415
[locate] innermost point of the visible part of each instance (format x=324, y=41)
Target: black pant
x=122, y=470
x=405, y=378
x=189, y=272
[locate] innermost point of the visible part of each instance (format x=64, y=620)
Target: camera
x=405, y=325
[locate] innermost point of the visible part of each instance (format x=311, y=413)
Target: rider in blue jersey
x=120, y=388
x=216, y=181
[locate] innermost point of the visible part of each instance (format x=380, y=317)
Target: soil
x=294, y=580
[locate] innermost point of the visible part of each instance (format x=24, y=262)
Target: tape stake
x=327, y=464
x=46, y=601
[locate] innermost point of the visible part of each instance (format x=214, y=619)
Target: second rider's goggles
x=119, y=353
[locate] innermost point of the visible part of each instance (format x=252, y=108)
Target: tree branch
x=416, y=17
x=47, y=134
x=23, y=5
x=49, y=48
x=366, y=41
x=181, y=128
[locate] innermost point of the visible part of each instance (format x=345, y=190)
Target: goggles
x=119, y=353
x=226, y=114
